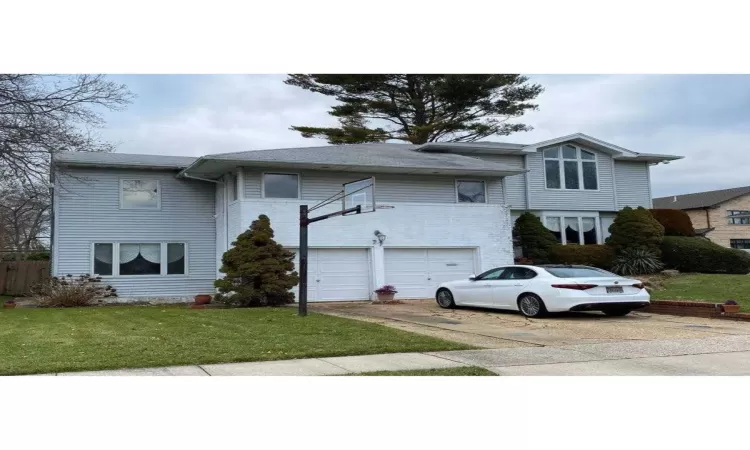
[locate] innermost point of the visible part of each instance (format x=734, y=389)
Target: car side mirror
x=472, y=277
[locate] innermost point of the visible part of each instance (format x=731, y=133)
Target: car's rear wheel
x=531, y=305
x=445, y=298
x=617, y=312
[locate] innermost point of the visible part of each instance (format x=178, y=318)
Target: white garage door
x=416, y=272
x=336, y=274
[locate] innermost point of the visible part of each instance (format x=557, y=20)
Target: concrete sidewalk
x=721, y=355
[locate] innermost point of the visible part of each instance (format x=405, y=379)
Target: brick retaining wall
x=693, y=309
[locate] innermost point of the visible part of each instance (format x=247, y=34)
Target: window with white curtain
x=148, y=258
x=570, y=167
x=573, y=230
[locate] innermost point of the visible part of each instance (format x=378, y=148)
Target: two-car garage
x=339, y=274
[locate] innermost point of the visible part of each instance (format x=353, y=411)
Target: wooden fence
x=17, y=278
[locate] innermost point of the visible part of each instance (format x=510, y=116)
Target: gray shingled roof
x=122, y=159
x=365, y=155
x=700, y=199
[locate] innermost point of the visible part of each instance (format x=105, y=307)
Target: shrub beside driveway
x=77, y=339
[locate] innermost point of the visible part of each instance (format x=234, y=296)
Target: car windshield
x=578, y=272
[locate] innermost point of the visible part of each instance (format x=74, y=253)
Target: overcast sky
x=705, y=118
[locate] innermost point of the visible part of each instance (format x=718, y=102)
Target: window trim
x=158, y=197
x=472, y=180
x=163, y=259
x=562, y=215
x=263, y=185
x=561, y=167
x=743, y=214
x=739, y=239
x=233, y=183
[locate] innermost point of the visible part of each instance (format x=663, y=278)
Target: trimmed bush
x=636, y=261
x=600, y=256
x=697, y=254
x=676, y=222
x=534, y=238
x=259, y=271
x=635, y=228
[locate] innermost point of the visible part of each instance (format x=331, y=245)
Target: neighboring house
x=723, y=216
x=157, y=226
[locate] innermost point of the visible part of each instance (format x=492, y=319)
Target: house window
x=570, y=167
x=103, y=259
x=280, y=185
x=149, y=258
x=233, y=188
x=737, y=217
x=742, y=244
x=175, y=259
x=573, y=230
x=140, y=259
x=471, y=191
x=140, y=194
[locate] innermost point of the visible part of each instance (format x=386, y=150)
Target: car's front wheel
x=445, y=298
x=617, y=312
x=531, y=305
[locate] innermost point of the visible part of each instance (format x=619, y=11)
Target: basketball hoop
x=357, y=197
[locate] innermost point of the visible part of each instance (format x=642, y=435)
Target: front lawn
x=715, y=288
x=449, y=372
x=76, y=339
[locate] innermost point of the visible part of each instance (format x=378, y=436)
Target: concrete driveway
x=575, y=344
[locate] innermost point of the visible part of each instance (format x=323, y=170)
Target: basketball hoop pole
x=304, y=221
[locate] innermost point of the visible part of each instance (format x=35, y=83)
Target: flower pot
x=385, y=297
x=202, y=299
x=9, y=305
x=731, y=308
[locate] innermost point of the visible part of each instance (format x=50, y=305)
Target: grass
x=715, y=288
x=450, y=372
x=77, y=339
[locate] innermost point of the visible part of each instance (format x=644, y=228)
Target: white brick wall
x=483, y=226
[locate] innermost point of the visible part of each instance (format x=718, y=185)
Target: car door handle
x=518, y=284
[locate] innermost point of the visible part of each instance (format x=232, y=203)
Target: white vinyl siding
x=514, y=185
x=633, y=187
x=585, y=200
x=88, y=212
x=319, y=185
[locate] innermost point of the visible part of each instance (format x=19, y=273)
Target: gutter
x=183, y=173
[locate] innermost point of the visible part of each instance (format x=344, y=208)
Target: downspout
x=708, y=218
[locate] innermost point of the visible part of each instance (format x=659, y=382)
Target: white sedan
x=536, y=290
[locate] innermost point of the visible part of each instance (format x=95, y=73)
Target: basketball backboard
x=360, y=192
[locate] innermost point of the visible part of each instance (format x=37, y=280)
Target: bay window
x=569, y=229
x=137, y=259
x=570, y=167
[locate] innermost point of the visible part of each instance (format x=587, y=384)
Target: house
x=723, y=216
x=157, y=226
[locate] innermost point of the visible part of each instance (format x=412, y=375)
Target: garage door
x=417, y=272
x=337, y=274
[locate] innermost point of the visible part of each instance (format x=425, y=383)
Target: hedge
x=533, y=237
x=635, y=228
x=600, y=256
x=697, y=254
x=676, y=222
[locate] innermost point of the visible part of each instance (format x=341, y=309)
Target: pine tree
x=259, y=271
x=534, y=238
x=420, y=108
